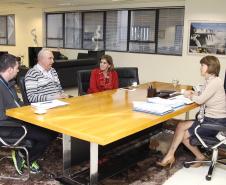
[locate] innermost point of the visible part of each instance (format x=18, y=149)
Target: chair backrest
x=83, y=77
x=83, y=56
x=21, y=83
x=127, y=75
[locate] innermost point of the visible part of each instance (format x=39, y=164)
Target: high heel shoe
x=170, y=162
x=198, y=164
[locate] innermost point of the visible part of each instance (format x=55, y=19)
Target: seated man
x=8, y=99
x=42, y=82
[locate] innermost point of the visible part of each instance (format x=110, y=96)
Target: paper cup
x=40, y=111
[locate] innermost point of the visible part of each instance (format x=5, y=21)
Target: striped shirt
x=42, y=85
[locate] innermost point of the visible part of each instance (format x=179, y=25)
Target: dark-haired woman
x=104, y=77
x=212, y=103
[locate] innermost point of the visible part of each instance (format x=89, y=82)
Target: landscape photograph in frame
x=209, y=38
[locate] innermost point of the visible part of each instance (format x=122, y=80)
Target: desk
x=99, y=118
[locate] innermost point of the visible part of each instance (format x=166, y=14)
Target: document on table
x=160, y=106
x=151, y=108
x=173, y=102
x=49, y=104
x=128, y=88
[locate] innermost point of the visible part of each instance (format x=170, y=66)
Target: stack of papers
x=174, y=102
x=160, y=106
x=151, y=108
x=183, y=99
x=49, y=104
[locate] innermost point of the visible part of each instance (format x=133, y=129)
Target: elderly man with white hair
x=41, y=81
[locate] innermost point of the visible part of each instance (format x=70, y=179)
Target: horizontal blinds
x=170, y=35
x=73, y=30
x=93, y=30
x=7, y=30
x=123, y=30
x=116, y=30
x=142, y=31
x=55, y=30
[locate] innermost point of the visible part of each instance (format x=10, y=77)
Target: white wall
x=202, y=10
x=186, y=67
x=164, y=67
x=151, y=67
x=25, y=20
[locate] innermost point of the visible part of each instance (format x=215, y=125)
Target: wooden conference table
x=99, y=118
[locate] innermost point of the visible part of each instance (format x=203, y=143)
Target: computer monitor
x=3, y=52
x=33, y=55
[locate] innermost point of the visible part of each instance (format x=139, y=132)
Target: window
x=73, y=30
x=55, y=31
x=142, y=31
x=157, y=31
x=170, y=35
x=7, y=30
x=93, y=37
x=116, y=30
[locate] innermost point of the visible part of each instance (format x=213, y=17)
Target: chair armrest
x=214, y=127
x=12, y=124
x=8, y=123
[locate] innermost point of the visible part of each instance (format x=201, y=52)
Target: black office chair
x=83, y=77
x=21, y=84
x=127, y=75
x=19, y=143
x=211, y=144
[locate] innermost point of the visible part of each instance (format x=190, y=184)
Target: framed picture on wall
x=207, y=38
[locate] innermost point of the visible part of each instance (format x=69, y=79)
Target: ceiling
x=69, y=3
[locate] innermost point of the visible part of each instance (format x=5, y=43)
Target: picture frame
x=207, y=38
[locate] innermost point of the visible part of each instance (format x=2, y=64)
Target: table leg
x=93, y=163
x=66, y=152
x=187, y=115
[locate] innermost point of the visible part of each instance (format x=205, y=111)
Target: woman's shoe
x=170, y=162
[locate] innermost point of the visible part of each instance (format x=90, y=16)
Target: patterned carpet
x=145, y=172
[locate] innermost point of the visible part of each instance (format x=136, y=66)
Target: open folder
x=49, y=104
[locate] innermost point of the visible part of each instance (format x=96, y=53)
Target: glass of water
x=175, y=83
x=134, y=84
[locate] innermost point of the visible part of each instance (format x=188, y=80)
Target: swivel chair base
x=23, y=178
x=212, y=163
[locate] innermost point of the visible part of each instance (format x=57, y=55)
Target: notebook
x=49, y=104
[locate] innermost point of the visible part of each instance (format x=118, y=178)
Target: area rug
x=142, y=173
x=146, y=172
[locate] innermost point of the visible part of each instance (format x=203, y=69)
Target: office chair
x=127, y=75
x=83, y=77
x=211, y=144
x=14, y=143
x=21, y=84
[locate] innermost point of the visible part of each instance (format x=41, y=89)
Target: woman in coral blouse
x=104, y=77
